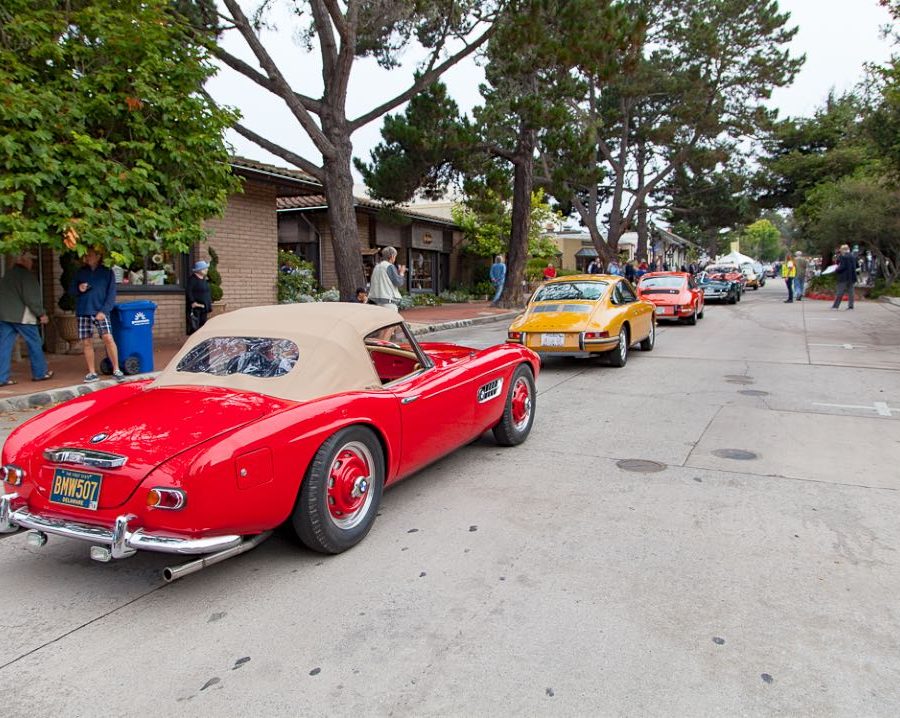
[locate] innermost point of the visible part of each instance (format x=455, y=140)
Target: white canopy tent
x=735, y=258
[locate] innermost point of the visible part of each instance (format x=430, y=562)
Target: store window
x=422, y=270
x=158, y=269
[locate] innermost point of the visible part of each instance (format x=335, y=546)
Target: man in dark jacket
x=94, y=289
x=199, y=296
x=21, y=310
x=846, y=278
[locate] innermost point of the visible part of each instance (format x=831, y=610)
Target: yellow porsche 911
x=584, y=315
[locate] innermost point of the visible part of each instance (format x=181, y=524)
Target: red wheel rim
x=521, y=403
x=349, y=492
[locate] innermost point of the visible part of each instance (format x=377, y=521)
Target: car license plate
x=663, y=310
x=553, y=340
x=76, y=488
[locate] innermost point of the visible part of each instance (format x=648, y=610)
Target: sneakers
x=89, y=378
x=118, y=375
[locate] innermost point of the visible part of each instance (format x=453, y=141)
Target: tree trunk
x=523, y=184
x=342, y=221
x=642, y=229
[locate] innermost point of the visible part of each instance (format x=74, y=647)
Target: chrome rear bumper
x=121, y=539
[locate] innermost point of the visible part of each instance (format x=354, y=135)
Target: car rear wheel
x=518, y=413
x=700, y=313
x=619, y=356
x=692, y=320
x=648, y=343
x=341, y=491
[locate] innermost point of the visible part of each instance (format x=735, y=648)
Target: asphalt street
x=711, y=530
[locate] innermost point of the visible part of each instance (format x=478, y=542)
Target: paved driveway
x=749, y=567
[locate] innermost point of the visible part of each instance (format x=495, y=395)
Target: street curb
x=64, y=393
x=892, y=300
x=420, y=329
x=54, y=396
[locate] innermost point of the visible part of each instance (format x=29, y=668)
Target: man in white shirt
x=387, y=278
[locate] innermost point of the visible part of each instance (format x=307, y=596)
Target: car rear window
x=262, y=357
x=661, y=282
x=561, y=291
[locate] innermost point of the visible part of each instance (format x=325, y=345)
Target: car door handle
x=409, y=399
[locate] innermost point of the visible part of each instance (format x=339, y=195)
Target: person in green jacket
x=21, y=309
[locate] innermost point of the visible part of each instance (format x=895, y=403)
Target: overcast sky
x=837, y=37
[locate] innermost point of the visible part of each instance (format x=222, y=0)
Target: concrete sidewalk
x=69, y=369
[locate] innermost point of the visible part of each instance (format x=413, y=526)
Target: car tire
x=700, y=313
x=733, y=299
x=648, y=343
x=692, y=320
x=518, y=410
x=618, y=357
x=341, y=491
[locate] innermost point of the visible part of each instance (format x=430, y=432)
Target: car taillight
x=514, y=336
x=596, y=335
x=12, y=474
x=170, y=499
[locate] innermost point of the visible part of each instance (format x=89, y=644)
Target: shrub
x=456, y=296
x=823, y=283
x=215, y=279
x=426, y=300
x=483, y=288
x=296, y=279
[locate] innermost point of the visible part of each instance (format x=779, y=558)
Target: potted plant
x=215, y=284
x=65, y=319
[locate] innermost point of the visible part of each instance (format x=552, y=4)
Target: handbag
x=194, y=320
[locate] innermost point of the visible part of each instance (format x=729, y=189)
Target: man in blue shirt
x=94, y=289
x=498, y=279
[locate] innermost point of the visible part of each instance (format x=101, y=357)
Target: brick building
x=429, y=245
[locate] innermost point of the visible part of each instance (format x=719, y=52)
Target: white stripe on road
x=879, y=407
x=841, y=346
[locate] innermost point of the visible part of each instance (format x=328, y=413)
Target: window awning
x=586, y=252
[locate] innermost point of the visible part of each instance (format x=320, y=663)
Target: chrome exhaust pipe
x=173, y=573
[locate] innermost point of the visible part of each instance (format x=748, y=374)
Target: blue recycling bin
x=132, y=328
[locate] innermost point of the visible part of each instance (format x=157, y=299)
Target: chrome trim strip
x=123, y=542
x=85, y=457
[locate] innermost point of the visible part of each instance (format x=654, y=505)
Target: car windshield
x=661, y=282
x=721, y=270
x=255, y=356
x=561, y=291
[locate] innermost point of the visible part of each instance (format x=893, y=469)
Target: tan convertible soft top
x=333, y=357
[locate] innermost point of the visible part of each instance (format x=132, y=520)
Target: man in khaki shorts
x=94, y=289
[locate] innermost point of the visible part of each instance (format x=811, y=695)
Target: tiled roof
x=317, y=201
x=278, y=172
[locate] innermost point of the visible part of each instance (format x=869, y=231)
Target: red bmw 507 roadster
x=293, y=414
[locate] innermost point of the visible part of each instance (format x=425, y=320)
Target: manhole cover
x=642, y=466
x=753, y=392
x=736, y=454
x=739, y=379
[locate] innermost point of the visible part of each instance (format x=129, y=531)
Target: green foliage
x=488, y=228
x=106, y=138
x=823, y=283
x=862, y=209
x=68, y=262
x=456, y=296
x=213, y=276
x=482, y=289
x=426, y=300
x=762, y=240
x=299, y=282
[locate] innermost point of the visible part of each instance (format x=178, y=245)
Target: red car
x=292, y=414
x=675, y=294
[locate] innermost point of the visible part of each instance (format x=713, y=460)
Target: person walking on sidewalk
x=199, y=296
x=387, y=280
x=94, y=289
x=801, y=264
x=21, y=310
x=789, y=273
x=498, y=278
x=846, y=278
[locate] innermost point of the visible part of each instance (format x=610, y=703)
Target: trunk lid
x=147, y=429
